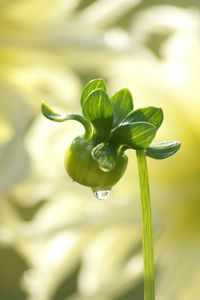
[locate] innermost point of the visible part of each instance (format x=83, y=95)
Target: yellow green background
x=57, y=242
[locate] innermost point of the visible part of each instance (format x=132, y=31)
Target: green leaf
x=150, y=114
x=163, y=150
x=91, y=86
x=51, y=115
x=136, y=135
x=105, y=155
x=98, y=109
x=123, y=104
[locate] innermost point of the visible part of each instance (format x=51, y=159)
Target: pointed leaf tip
x=136, y=135
x=91, y=86
x=163, y=150
x=122, y=102
x=98, y=109
x=48, y=112
x=150, y=114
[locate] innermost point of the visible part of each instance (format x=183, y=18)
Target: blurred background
x=57, y=242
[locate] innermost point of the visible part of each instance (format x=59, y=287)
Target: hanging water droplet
x=102, y=195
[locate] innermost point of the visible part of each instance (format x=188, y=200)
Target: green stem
x=149, y=289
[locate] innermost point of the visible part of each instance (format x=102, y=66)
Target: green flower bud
x=112, y=126
x=82, y=168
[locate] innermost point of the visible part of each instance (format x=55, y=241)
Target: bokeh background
x=57, y=242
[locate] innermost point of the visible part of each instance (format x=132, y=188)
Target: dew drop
x=102, y=195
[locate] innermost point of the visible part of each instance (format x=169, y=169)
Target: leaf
x=98, y=109
x=51, y=115
x=136, y=135
x=150, y=114
x=91, y=86
x=163, y=150
x=105, y=155
x=123, y=104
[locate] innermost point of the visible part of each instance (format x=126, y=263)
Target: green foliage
x=98, y=109
x=98, y=161
x=91, y=86
x=136, y=135
x=151, y=114
x=122, y=104
x=105, y=155
x=117, y=127
x=162, y=150
x=51, y=115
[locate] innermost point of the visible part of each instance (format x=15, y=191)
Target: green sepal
x=122, y=102
x=98, y=109
x=50, y=114
x=91, y=86
x=138, y=135
x=150, y=114
x=162, y=150
x=105, y=155
x=53, y=116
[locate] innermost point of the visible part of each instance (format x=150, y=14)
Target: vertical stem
x=149, y=289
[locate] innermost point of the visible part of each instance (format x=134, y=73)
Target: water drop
x=102, y=195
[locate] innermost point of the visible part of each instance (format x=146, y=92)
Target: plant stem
x=149, y=289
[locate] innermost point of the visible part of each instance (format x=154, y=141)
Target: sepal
x=51, y=115
x=122, y=104
x=138, y=135
x=90, y=87
x=105, y=155
x=163, y=150
x=98, y=109
x=150, y=114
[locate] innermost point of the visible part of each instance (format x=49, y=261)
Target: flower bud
x=83, y=169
